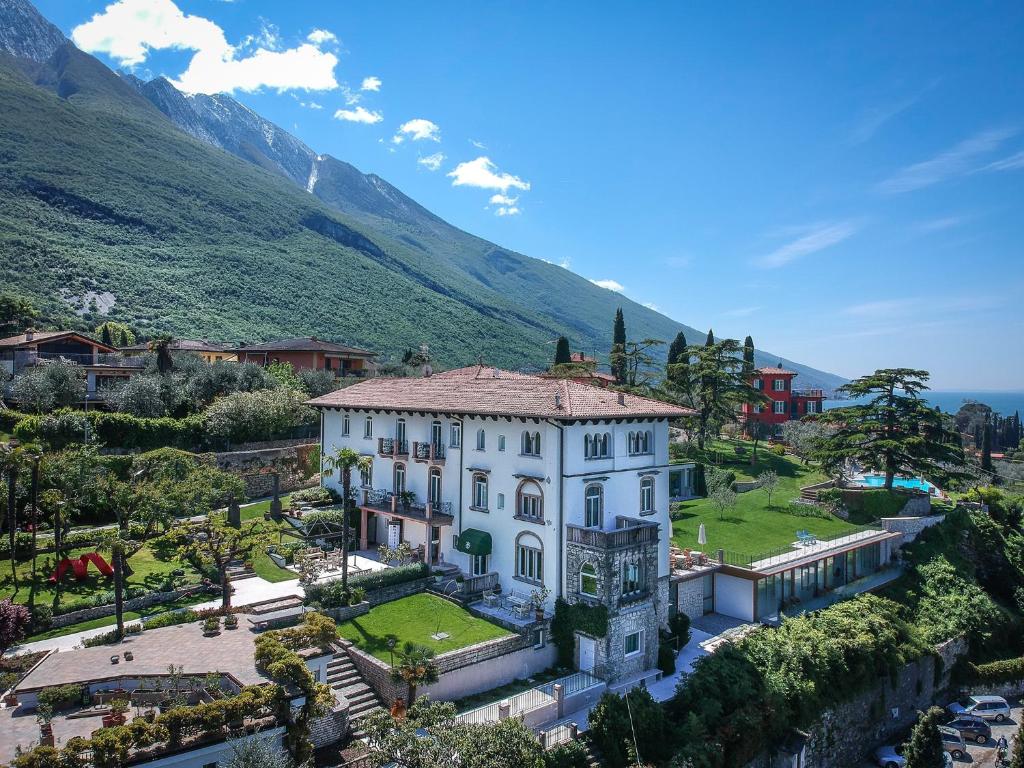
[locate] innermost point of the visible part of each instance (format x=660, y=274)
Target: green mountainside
x=103, y=199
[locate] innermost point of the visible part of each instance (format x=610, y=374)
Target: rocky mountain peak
x=25, y=33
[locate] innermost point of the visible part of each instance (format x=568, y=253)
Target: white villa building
x=535, y=482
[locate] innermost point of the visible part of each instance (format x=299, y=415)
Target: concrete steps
x=237, y=571
x=344, y=678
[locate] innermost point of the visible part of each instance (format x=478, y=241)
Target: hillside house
x=210, y=351
x=527, y=482
x=309, y=352
x=785, y=402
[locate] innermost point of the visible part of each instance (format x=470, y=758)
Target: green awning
x=475, y=542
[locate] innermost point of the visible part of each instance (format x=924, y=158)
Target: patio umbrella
x=702, y=535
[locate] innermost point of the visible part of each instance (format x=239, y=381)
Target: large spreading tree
x=892, y=431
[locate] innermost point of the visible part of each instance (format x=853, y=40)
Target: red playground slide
x=101, y=565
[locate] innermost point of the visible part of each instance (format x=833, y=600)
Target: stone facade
x=910, y=527
x=690, y=597
x=643, y=611
x=291, y=463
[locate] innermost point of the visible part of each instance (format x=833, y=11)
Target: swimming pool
x=912, y=483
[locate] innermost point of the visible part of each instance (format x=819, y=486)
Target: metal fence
x=531, y=699
x=788, y=552
x=558, y=734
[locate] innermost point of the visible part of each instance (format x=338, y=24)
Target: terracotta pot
x=11, y=699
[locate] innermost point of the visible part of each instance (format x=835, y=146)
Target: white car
x=886, y=757
x=988, y=707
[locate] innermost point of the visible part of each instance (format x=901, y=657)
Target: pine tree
x=748, y=356
x=676, y=348
x=986, y=446
x=924, y=750
x=711, y=338
x=562, y=355
x=618, y=356
x=1017, y=761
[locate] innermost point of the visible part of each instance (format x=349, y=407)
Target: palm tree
x=10, y=463
x=344, y=461
x=162, y=346
x=32, y=454
x=416, y=667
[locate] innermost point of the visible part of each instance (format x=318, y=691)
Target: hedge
x=9, y=419
x=1007, y=670
x=572, y=617
x=66, y=426
x=329, y=593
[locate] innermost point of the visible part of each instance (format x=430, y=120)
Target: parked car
x=886, y=757
x=972, y=727
x=953, y=742
x=988, y=707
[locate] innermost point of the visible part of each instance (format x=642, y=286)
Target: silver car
x=989, y=707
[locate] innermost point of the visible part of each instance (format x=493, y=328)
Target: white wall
x=734, y=596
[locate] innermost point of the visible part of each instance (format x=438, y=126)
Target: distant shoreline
x=1003, y=402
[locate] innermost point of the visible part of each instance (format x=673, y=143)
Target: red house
x=784, y=402
x=310, y=352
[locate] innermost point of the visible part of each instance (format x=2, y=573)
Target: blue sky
x=845, y=182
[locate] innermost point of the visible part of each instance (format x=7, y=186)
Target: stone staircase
x=344, y=678
x=237, y=571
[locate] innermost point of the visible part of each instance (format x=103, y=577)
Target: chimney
x=558, y=400
x=30, y=334
x=622, y=398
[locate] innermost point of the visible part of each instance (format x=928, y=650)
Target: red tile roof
x=483, y=390
x=772, y=370
x=40, y=336
x=304, y=344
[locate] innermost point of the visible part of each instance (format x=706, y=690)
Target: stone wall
x=135, y=604
x=690, y=597
x=845, y=735
x=332, y=727
x=347, y=612
x=257, y=468
x=746, y=486
x=462, y=672
x=386, y=594
x=910, y=527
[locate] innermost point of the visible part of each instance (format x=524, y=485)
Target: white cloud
x=371, y=83
x=881, y=309
x=500, y=199
x=321, y=36
x=1011, y=163
x=940, y=224
x=358, y=115
x=564, y=263
x=477, y=144
x=418, y=129
x=127, y=30
x=610, y=285
x=310, y=105
x=432, y=162
x=268, y=37
x=652, y=306
x=507, y=211
x=813, y=239
x=955, y=161
x=484, y=174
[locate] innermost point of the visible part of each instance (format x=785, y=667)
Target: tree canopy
x=893, y=431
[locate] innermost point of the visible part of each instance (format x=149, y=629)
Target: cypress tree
x=924, y=749
x=105, y=336
x=676, y=348
x=562, y=355
x=618, y=356
x=986, y=446
x=748, y=355
x=711, y=338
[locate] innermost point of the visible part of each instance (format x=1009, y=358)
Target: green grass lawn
x=150, y=566
x=261, y=563
x=260, y=507
x=751, y=526
x=416, y=618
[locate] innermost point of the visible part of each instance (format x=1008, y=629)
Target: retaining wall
x=910, y=527
x=256, y=468
x=135, y=604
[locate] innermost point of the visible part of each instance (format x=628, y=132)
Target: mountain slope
x=101, y=193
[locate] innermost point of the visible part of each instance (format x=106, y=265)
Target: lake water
x=1005, y=403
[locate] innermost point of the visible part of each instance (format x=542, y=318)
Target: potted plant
x=11, y=700
x=537, y=599
x=211, y=626
x=356, y=595
x=407, y=498
x=231, y=621
x=118, y=708
x=44, y=714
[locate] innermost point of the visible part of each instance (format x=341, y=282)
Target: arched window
x=480, y=491
x=647, y=495
x=588, y=447
x=606, y=445
x=529, y=558
x=435, y=485
x=345, y=425
x=588, y=580
x=368, y=427
x=648, y=442
x=632, y=443
x=399, y=478
x=531, y=443
x=593, y=506
x=530, y=501
x=481, y=440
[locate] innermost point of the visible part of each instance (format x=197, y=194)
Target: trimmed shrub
x=778, y=450
x=679, y=626
x=315, y=495
x=667, y=659
x=569, y=755
x=64, y=427
x=329, y=593
x=110, y=637
x=61, y=696
x=1005, y=671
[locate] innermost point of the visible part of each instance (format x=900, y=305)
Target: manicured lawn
x=260, y=507
x=751, y=527
x=261, y=563
x=266, y=568
x=150, y=566
x=416, y=618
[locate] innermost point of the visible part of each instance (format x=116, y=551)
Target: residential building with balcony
x=101, y=364
x=309, y=352
x=531, y=481
x=785, y=402
x=210, y=351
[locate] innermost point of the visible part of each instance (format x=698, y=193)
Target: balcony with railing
x=430, y=452
x=390, y=503
x=630, y=534
x=391, y=447
x=810, y=393
x=26, y=358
